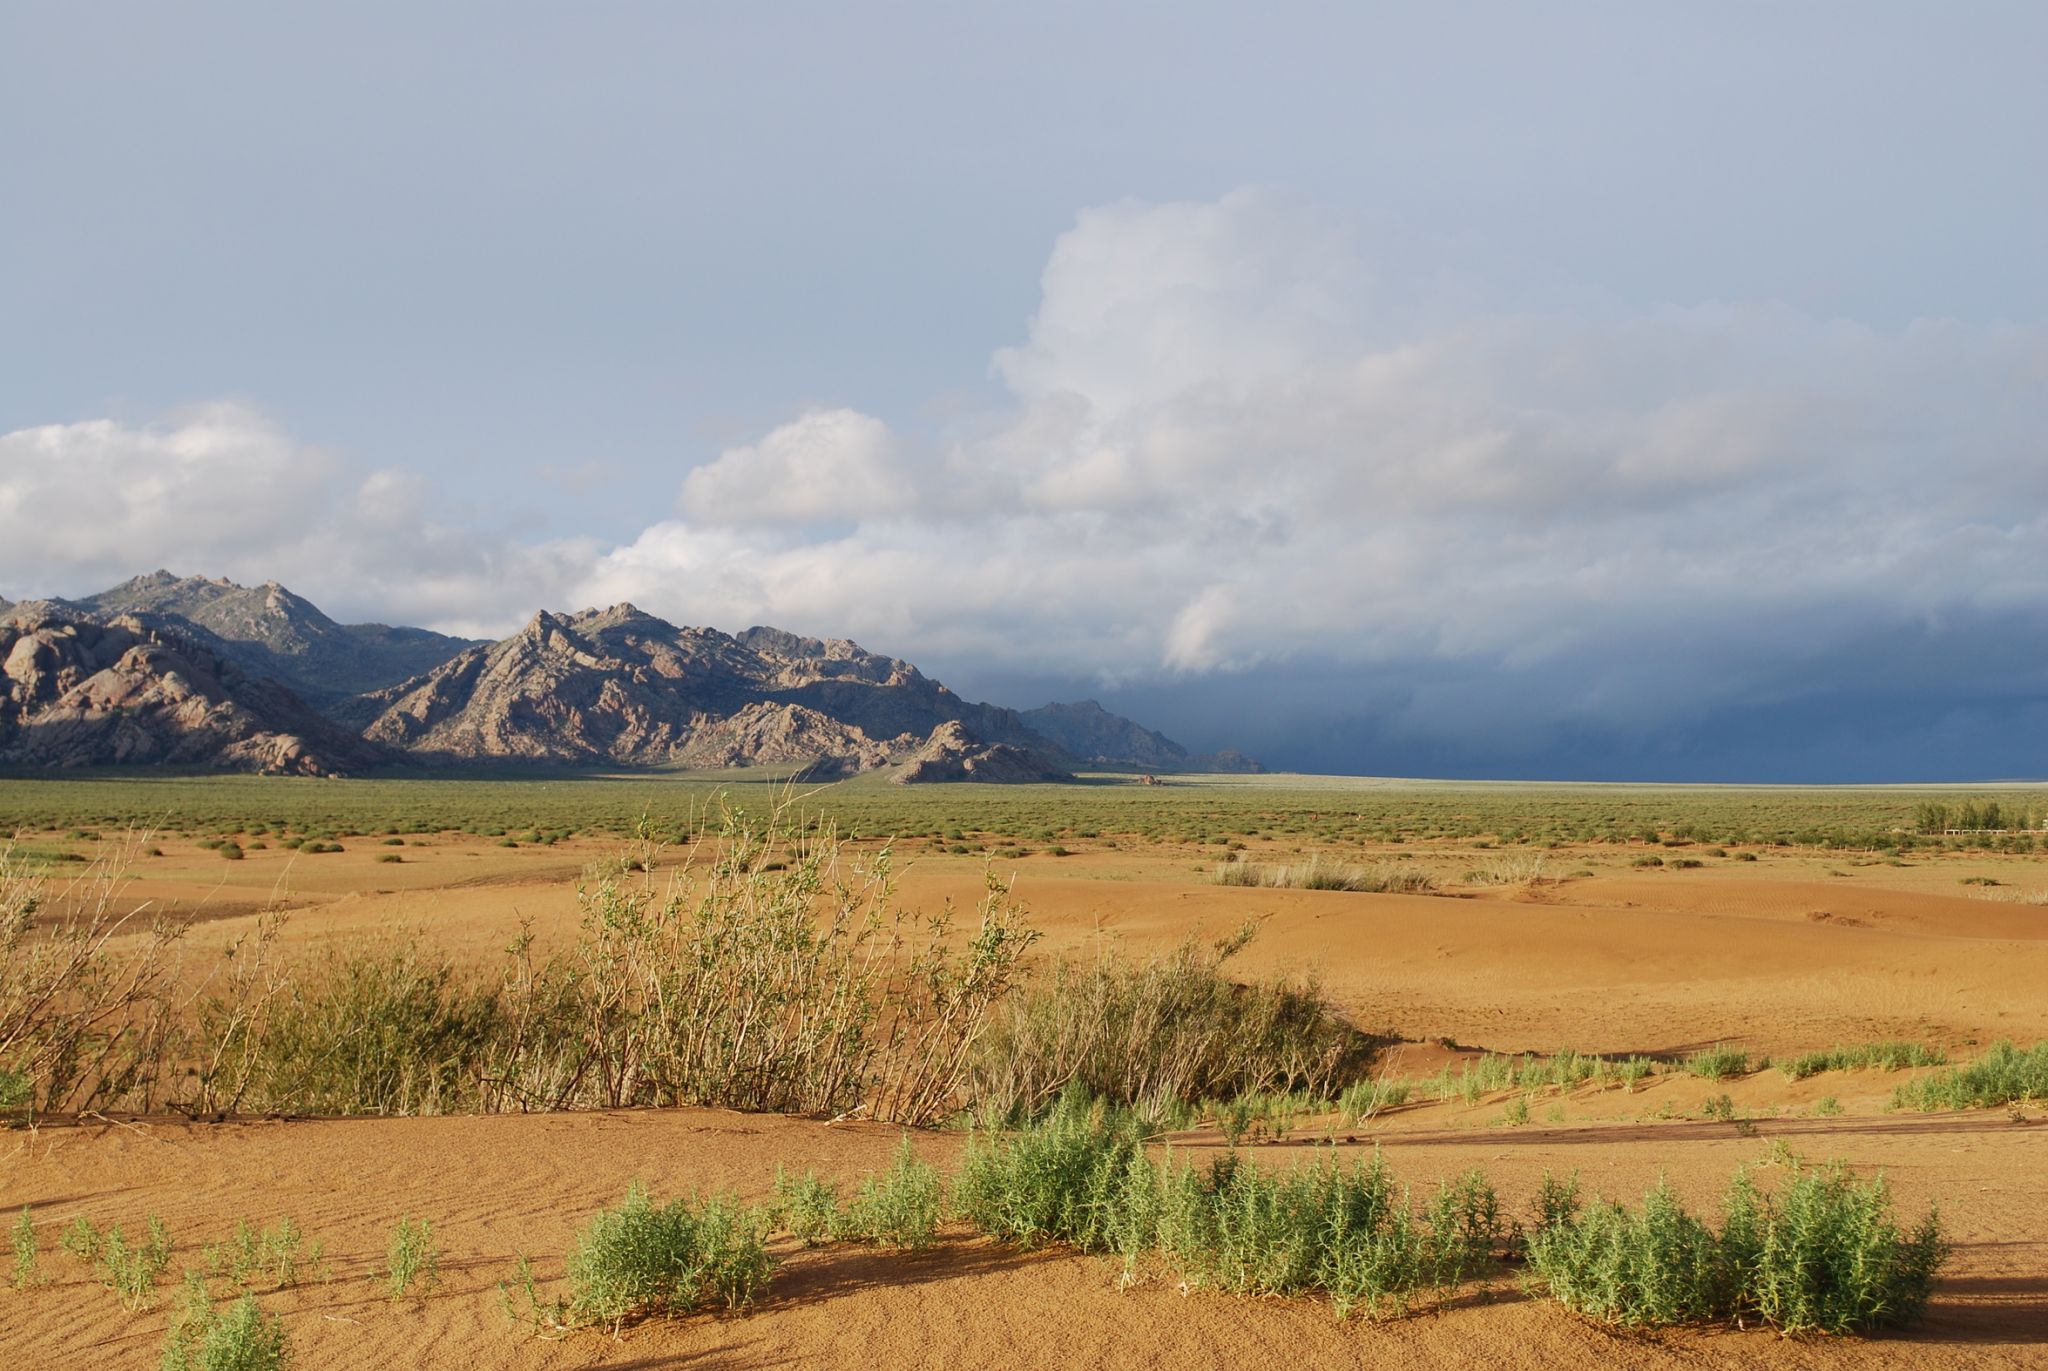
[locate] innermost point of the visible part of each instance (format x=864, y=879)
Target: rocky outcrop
x=78, y=692
x=621, y=687
x=188, y=671
x=766, y=733
x=952, y=753
x=270, y=631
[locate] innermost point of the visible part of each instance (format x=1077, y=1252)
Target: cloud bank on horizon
x=1243, y=438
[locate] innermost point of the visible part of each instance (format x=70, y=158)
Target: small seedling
x=277, y=1254
x=411, y=1260
x=547, y=1318
x=81, y=1240
x=24, y=1235
x=131, y=1271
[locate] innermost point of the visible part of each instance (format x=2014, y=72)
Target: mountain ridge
x=76, y=691
x=271, y=630
x=207, y=672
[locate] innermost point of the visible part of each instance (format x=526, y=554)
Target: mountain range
x=191, y=672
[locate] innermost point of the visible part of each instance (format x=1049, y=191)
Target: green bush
x=1823, y=1255
x=1325, y=1226
x=808, y=1206
x=1892, y=1056
x=1081, y=1177
x=644, y=1259
x=900, y=1207
x=1078, y=1176
x=1717, y=1063
x=277, y=1254
x=2003, y=1075
x=1655, y=1265
x=201, y=1338
x=369, y=1029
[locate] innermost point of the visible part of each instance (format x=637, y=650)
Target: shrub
x=900, y=1207
x=201, y=1338
x=368, y=1029
x=1384, y=878
x=1656, y=1265
x=2003, y=1075
x=1826, y=1255
x=1368, y=1099
x=86, y=1006
x=1892, y=1056
x=277, y=1254
x=643, y=1259
x=1823, y=1255
x=81, y=1241
x=1515, y=869
x=766, y=989
x=1343, y=1230
x=1157, y=1034
x=1078, y=1176
x=1717, y=1063
x=808, y=1206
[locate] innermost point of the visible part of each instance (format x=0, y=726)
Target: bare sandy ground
x=502, y=1185
x=1783, y=954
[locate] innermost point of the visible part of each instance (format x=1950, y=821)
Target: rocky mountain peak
x=80, y=691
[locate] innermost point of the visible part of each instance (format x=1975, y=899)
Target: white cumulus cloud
x=1233, y=436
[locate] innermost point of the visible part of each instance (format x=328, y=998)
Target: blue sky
x=1483, y=389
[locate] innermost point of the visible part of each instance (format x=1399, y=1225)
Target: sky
x=1587, y=391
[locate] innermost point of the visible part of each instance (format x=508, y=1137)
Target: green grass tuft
x=1891, y=1056
x=2003, y=1075
x=412, y=1261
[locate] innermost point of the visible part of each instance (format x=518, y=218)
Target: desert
x=1054, y=685
x=1495, y=958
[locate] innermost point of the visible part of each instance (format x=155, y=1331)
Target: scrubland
x=587, y=1071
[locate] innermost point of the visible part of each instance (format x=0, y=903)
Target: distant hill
x=622, y=687
x=80, y=692
x=273, y=632
x=1087, y=731
x=183, y=671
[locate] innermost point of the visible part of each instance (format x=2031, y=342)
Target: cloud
x=1222, y=452
x=1241, y=436
x=221, y=490
x=825, y=466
